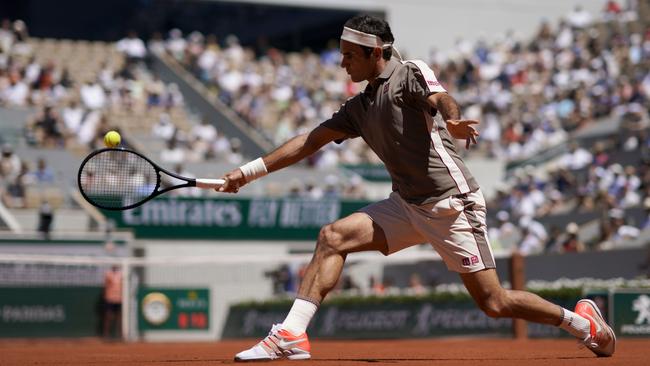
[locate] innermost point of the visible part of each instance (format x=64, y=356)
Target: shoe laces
x=275, y=329
x=588, y=342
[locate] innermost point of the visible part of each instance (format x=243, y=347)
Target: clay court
x=484, y=352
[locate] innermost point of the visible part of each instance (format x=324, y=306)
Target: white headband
x=366, y=39
x=363, y=39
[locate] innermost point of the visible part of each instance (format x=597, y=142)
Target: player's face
x=359, y=66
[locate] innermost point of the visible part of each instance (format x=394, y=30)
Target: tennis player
x=435, y=199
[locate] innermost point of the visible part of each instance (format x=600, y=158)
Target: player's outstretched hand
x=234, y=180
x=463, y=129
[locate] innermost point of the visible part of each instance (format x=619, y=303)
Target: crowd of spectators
x=202, y=142
x=18, y=175
x=331, y=187
x=70, y=111
x=529, y=95
x=75, y=110
x=607, y=180
x=280, y=94
x=533, y=95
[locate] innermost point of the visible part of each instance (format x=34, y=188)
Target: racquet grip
x=209, y=183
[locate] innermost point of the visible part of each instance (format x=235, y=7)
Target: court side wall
x=623, y=263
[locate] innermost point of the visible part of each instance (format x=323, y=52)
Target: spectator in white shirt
x=17, y=94
x=32, y=71
x=72, y=115
x=504, y=235
x=617, y=232
x=93, y=95
x=88, y=129
x=164, y=129
x=220, y=147
x=6, y=36
x=156, y=44
x=207, y=61
x=564, y=36
x=234, y=51
x=579, y=18
x=21, y=46
x=576, y=157
x=535, y=236
x=132, y=47
x=9, y=163
x=204, y=131
x=525, y=205
x=176, y=44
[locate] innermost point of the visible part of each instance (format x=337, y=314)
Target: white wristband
x=254, y=169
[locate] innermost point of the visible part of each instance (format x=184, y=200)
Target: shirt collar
x=388, y=70
x=390, y=67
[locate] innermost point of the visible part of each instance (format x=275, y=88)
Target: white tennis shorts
x=454, y=226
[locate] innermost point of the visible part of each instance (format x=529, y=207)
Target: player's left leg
x=354, y=233
x=384, y=226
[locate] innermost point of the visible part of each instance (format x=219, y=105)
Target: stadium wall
x=418, y=25
x=624, y=263
x=421, y=25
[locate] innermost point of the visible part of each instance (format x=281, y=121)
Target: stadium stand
x=531, y=96
x=565, y=112
x=539, y=101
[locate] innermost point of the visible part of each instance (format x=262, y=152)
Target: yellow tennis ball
x=112, y=139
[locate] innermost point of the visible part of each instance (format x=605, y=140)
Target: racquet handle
x=209, y=183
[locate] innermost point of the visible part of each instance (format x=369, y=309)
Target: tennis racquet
x=121, y=179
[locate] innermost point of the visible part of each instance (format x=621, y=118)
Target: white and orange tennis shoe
x=279, y=344
x=601, y=339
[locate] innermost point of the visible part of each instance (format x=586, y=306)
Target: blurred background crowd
x=586, y=72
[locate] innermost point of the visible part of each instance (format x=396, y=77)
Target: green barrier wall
x=238, y=219
x=631, y=311
x=385, y=318
x=50, y=312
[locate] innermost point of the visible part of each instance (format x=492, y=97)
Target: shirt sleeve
x=420, y=83
x=342, y=120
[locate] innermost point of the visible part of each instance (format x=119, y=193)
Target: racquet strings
x=118, y=179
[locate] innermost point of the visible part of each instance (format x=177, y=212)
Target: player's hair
x=376, y=26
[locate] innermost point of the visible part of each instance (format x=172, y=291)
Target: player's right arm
x=287, y=154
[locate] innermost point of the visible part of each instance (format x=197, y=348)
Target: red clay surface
x=448, y=352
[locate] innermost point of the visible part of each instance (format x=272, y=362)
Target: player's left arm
x=457, y=127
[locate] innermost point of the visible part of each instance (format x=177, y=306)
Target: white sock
x=299, y=316
x=575, y=324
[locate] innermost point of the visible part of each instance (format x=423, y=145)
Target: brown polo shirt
x=396, y=121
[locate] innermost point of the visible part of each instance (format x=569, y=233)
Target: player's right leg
x=601, y=339
x=456, y=227
x=585, y=322
x=288, y=340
